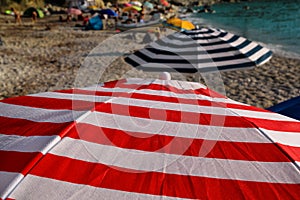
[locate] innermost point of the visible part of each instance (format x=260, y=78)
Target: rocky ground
x=52, y=55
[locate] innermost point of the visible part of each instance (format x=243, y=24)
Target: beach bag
x=95, y=23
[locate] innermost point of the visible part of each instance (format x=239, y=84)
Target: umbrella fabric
x=179, y=24
x=204, y=50
x=145, y=139
x=290, y=108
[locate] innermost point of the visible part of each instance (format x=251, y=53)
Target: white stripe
x=189, y=95
x=138, y=60
x=27, y=144
x=93, y=98
x=181, y=85
x=266, y=60
x=164, y=57
x=206, y=65
x=35, y=187
x=200, y=109
x=271, y=172
x=227, y=37
x=239, y=41
x=199, y=57
x=285, y=138
x=185, y=49
x=258, y=54
x=194, y=39
x=170, y=66
x=151, y=126
x=197, y=39
x=173, y=49
x=8, y=181
x=248, y=47
x=262, y=115
x=225, y=63
x=201, y=41
x=38, y=114
x=82, y=97
x=172, y=106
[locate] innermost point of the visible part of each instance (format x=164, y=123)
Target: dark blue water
x=276, y=24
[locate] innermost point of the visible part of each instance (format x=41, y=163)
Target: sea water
x=275, y=24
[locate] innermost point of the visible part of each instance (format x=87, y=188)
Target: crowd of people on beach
x=121, y=14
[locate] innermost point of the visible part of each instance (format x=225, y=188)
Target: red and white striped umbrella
x=141, y=139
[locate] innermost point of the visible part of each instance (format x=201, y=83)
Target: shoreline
x=34, y=59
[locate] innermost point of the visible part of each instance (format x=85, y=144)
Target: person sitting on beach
x=130, y=19
x=17, y=16
x=86, y=20
x=140, y=19
x=34, y=17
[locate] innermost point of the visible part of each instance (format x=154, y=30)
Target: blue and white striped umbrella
x=203, y=50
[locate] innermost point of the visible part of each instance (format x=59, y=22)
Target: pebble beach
x=47, y=56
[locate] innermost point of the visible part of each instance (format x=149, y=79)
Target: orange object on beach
x=164, y=3
x=180, y=24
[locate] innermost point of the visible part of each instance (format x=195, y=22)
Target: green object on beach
x=29, y=11
x=8, y=12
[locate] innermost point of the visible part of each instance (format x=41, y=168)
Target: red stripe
x=145, y=97
x=164, y=99
x=23, y=127
x=293, y=152
x=51, y=103
x=266, y=152
x=201, y=91
x=276, y=125
x=156, y=183
x=21, y=162
x=175, y=116
x=199, y=118
x=158, y=87
x=70, y=104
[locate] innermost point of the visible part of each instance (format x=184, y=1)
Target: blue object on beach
x=290, y=108
x=95, y=23
x=108, y=12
